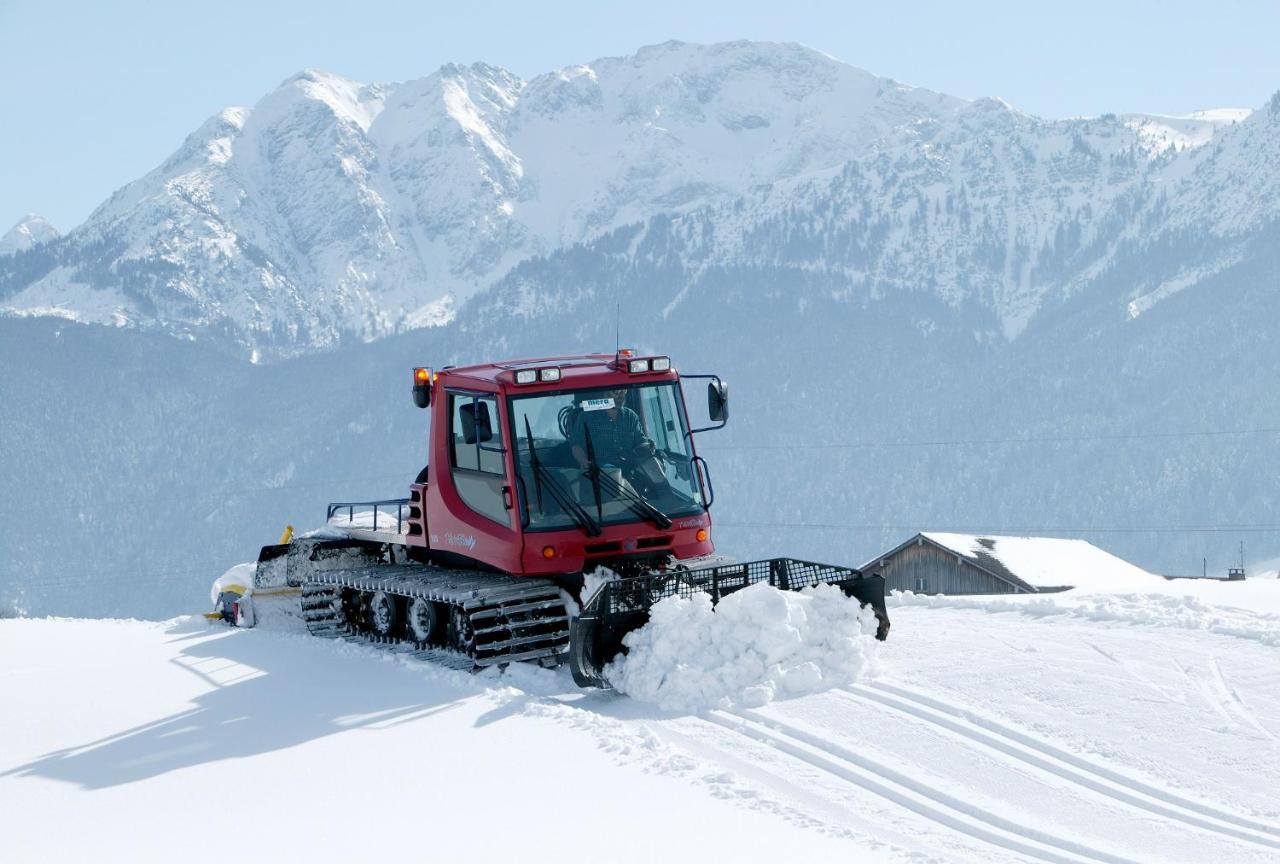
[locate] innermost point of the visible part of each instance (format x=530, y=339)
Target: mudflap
x=583, y=649
x=869, y=591
x=596, y=636
x=595, y=640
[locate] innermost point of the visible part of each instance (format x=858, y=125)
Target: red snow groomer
x=554, y=486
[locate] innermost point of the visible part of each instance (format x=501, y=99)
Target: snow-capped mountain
x=29, y=231
x=333, y=209
x=990, y=208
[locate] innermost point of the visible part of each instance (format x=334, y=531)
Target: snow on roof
x=1046, y=562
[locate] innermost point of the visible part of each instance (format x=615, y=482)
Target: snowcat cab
x=540, y=474
x=531, y=473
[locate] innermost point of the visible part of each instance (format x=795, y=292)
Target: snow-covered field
x=1067, y=729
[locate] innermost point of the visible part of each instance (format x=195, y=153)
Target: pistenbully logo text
x=466, y=541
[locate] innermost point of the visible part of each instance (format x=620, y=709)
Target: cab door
x=475, y=515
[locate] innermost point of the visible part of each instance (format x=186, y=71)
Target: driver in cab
x=617, y=439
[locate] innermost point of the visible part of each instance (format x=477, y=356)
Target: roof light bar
x=547, y=375
x=640, y=365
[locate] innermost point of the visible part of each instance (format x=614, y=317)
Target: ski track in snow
x=1083, y=772
x=930, y=802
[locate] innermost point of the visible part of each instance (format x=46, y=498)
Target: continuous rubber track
x=511, y=618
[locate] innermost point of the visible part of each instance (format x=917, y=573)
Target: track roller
x=426, y=621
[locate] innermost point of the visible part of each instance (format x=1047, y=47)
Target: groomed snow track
x=492, y=619
x=1019, y=746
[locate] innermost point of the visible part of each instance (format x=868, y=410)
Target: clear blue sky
x=96, y=94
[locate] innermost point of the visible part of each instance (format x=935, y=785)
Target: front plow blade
x=623, y=605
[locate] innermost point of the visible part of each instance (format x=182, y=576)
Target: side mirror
x=718, y=401
x=476, y=426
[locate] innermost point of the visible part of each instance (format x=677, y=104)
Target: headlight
x=635, y=366
x=526, y=376
x=552, y=374
x=660, y=364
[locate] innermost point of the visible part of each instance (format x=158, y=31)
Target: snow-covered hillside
x=1070, y=729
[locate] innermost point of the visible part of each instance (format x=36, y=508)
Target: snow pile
x=758, y=644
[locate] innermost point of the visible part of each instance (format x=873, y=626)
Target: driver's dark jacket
x=614, y=440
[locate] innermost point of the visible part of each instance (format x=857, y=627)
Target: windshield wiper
x=542, y=476
x=593, y=471
x=635, y=502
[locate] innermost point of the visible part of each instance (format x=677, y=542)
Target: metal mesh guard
x=636, y=593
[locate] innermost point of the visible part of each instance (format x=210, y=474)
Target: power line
x=1016, y=529
x=958, y=442
x=211, y=497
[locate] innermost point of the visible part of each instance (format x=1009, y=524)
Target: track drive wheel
x=383, y=616
x=426, y=621
x=462, y=635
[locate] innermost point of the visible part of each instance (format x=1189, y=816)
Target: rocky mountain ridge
x=335, y=211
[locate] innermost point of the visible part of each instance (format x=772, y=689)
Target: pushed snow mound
x=757, y=644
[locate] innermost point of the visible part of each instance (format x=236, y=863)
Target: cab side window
x=477, y=434
x=478, y=466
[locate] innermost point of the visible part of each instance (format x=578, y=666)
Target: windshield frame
x=519, y=448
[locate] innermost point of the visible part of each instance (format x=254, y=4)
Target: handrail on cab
x=350, y=506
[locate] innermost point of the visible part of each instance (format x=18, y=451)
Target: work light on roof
x=547, y=375
x=660, y=364
x=635, y=366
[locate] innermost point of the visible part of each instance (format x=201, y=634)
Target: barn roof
x=1037, y=563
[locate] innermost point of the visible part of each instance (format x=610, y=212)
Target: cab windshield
x=603, y=456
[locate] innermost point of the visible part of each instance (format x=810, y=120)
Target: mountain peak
x=348, y=100
x=30, y=230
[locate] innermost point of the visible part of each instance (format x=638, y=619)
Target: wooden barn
x=940, y=563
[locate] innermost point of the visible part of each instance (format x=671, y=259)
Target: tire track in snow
x=1068, y=765
x=1128, y=669
x=910, y=793
x=1231, y=701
